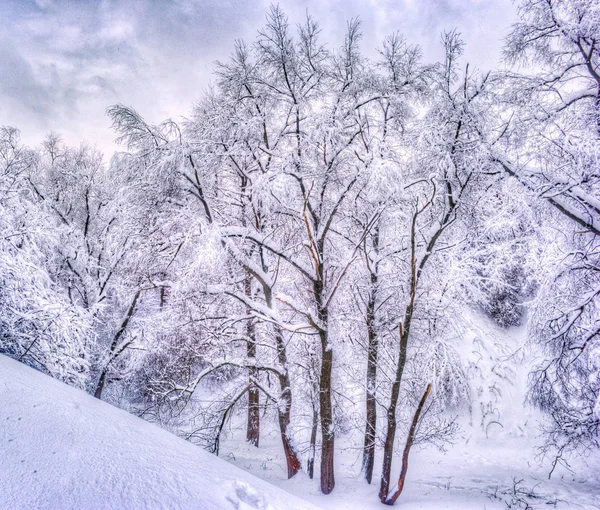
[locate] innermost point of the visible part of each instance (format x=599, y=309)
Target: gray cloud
x=20, y=87
x=62, y=63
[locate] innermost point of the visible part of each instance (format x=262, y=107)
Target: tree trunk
x=114, y=352
x=312, y=449
x=372, y=355
x=100, y=386
x=253, y=422
x=284, y=409
x=390, y=436
x=284, y=406
x=253, y=427
x=371, y=403
x=409, y=442
x=291, y=456
x=388, y=450
x=326, y=411
x=325, y=406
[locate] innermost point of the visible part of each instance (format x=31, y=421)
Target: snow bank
x=62, y=448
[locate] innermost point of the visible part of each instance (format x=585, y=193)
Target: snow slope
x=61, y=448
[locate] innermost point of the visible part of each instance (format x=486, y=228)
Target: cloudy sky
x=63, y=62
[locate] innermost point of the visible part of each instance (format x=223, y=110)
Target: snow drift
x=62, y=448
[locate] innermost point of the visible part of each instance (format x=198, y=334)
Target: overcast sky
x=63, y=62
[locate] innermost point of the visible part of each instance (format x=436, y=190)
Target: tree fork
x=409, y=442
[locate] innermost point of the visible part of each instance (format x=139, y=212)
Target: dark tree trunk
x=115, y=351
x=371, y=408
x=291, y=456
x=284, y=407
x=312, y=449
x=416, y=270
x=409, y=442
x=598, y=106
x=326, y=411
x=253, y=422
x=372, y=355
x=100, y=386
x=325, y=405
x=390, y=435
x=253, y=428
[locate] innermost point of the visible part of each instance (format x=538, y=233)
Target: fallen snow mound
x=61, y=448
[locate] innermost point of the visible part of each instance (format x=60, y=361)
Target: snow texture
x=61, y=448
x=492, y=464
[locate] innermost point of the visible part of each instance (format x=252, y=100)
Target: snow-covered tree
x=551, y=145
x=38, y=323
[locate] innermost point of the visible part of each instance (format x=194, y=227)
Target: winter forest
x=355, y=264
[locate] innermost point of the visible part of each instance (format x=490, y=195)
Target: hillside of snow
x=61, y=448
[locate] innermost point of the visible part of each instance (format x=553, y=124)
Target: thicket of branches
x=311, y=235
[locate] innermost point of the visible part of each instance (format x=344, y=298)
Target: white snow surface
x=60, y=448
x=492, y=465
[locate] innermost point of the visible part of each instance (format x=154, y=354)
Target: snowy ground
x=492, y=464
x=63, y=449
x=483, y=475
